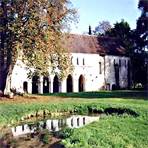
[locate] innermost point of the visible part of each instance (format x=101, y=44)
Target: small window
x=120, y=63
x=100, y=68
x=83, y=61
x=71, y=59
x=77, y=61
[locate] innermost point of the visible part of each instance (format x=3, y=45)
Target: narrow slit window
x=83, y=61
x=52, y=127
x=84, y=121
x=120, y=63
x=72, y=122
x=100, y=68
x=71, y=59
x=78, y=122
x=77, y=61
x=125, y=63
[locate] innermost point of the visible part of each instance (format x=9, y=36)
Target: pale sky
x=93, y=11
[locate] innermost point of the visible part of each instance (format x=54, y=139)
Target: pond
x=54, y=125
x=50, y=130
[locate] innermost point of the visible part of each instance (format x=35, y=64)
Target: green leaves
x=33, y=29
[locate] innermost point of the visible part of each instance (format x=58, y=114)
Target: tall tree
x=142, y=24
x=31, y=31
x=140, y=69
x=123, y=33
x=102, y=28
x=133, y=43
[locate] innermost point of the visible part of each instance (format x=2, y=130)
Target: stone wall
x=94, y=73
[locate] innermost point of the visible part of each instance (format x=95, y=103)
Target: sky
x=93, y=11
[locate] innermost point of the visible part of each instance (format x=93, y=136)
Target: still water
x=53, y=125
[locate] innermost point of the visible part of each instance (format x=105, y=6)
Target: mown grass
x=128, y=94
x=111, y=131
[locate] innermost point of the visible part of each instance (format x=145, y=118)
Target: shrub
x=45, y=137
x=65, y=133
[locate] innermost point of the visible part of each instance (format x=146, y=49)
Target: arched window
x=25, y=87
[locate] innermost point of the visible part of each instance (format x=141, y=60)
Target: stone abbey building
x=99, y=63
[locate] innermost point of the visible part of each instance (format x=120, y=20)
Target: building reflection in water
x=75, y=121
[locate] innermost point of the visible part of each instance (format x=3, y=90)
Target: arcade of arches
x=54, y=86
x=69, y=84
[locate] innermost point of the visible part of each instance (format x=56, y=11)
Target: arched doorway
x=35, y=83
x=45, y=85
x=25, y=87
x=69, y=84
x=81, y=83
x=56, y=84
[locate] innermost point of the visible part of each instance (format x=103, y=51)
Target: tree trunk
x=3, y=25
x=7, y=89
x=3, y=77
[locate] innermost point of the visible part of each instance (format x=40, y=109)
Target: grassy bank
x=111, y=131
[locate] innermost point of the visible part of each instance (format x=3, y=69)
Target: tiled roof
x=92, y=44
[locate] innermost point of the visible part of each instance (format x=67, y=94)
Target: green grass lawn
x=111, y=131
x=128, y=94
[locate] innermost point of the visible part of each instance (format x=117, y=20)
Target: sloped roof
x=93, y=44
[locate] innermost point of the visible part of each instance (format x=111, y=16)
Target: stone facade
x=92, y=72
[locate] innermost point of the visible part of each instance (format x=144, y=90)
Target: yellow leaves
x=36, y=31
